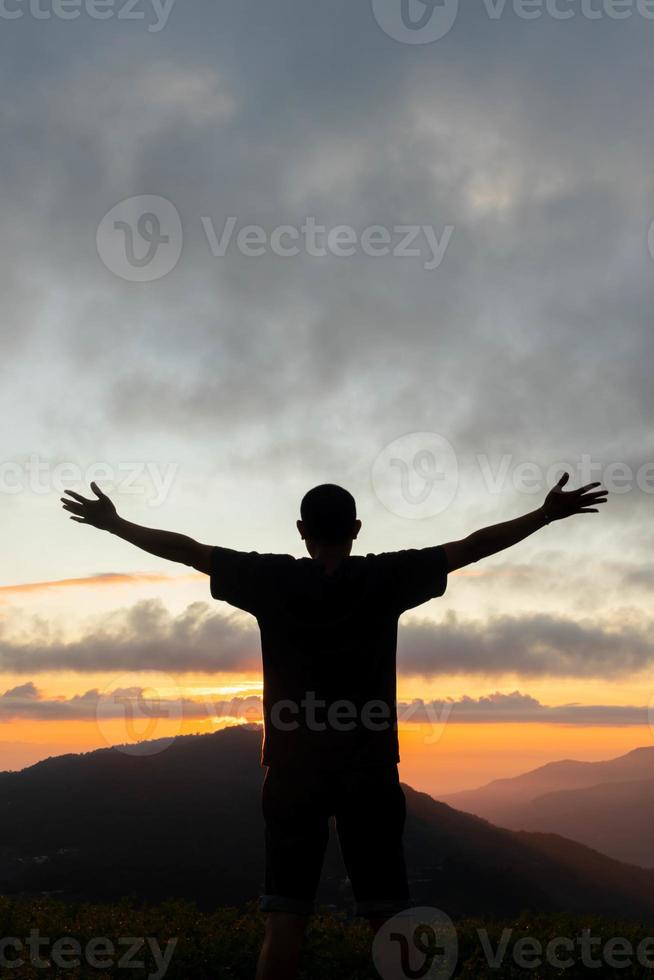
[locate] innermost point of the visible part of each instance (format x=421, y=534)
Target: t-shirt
x=328, y=644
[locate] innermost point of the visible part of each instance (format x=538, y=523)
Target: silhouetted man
x=328, y=636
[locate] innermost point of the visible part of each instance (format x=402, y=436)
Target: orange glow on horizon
x=460, y=756
x=95, y=581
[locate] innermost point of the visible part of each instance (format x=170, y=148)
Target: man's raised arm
x=101, y=513
x=559, y=503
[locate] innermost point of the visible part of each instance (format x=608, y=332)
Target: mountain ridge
x=600, y=804
x=185, y=823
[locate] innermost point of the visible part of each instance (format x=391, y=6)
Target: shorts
x=370, y=811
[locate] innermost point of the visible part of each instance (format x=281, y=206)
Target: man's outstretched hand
x=561, y=503
x=99, y=513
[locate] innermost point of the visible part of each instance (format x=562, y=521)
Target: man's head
x=328, y=518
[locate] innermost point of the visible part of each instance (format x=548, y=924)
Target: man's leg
x=370, y=822
x=280, y=954
x=297, y=831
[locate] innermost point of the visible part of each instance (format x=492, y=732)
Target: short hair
x=329, y=513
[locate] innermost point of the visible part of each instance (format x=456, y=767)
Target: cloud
x=146, y=636
x=27, y=702
x=640, y=577
x=266, y=125
x=143, y=637
x=532, y=645
x=501, y=708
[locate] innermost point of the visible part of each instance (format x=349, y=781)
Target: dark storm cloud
x=532, y=139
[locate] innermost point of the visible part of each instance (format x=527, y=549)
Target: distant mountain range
x=186, y=823
x=606, y=805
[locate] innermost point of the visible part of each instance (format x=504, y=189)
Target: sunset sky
x=210, y=398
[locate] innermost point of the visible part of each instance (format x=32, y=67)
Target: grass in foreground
x=131, y=941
